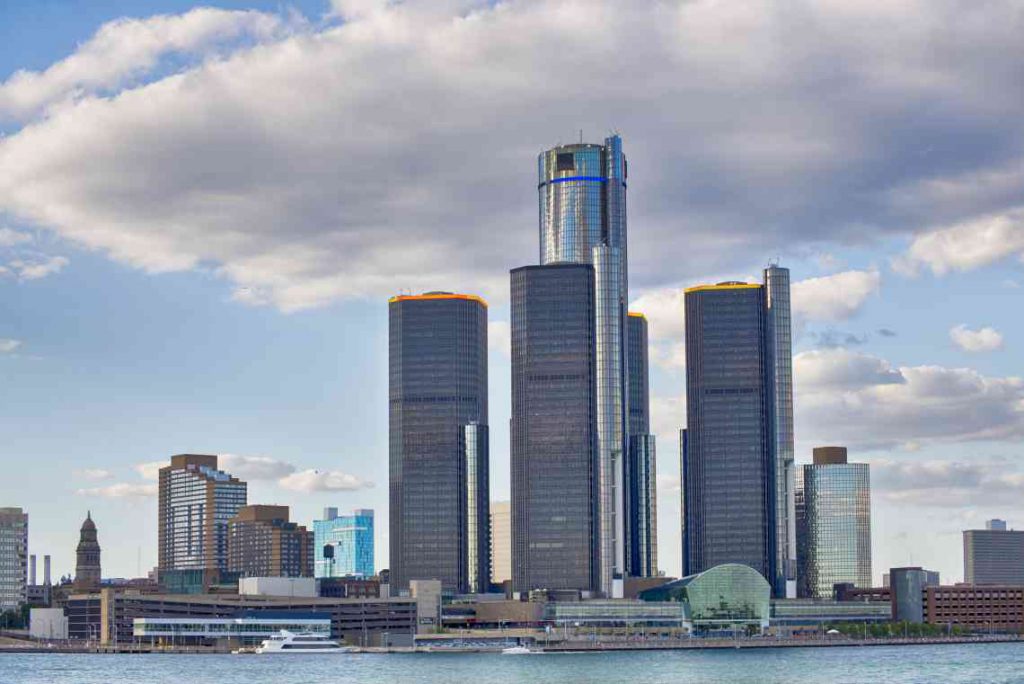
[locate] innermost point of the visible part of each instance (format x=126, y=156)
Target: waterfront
x=950, y=664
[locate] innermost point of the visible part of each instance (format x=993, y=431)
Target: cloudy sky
x=204, y=209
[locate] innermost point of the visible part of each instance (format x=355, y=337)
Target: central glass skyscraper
x=582, y=211
x=439, y=491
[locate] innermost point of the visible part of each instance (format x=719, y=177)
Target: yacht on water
x=305, y=642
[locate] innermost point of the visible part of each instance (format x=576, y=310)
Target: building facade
x=582, y=208
x=88, y=571
x=780, y=344
x=555, y=494
x=641, y=466
x=196, y=501
x=729, y=464
x=439, y=492
x=13, y=558
x=262, y=542
x=994, y=555
x=501, y=541
x=834, y=525
x=343, y=544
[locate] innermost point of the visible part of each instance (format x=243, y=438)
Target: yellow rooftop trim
x=724, y=286
x=637, y=314
x=408, y=298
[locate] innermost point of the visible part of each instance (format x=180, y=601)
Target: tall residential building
x=582, y=198
x=994, y=555
x=729, y=466
x=834, y=524
x=13, y=558
x=641, y=469
x=780, y=344
x=343, y=544
x=196, y=502
x=555, y=526
x=88, y=573
x=501, y=541
x=439, y=490
x=263, y=542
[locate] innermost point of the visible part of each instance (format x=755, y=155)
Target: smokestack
x=32, y=569
x=46, y=570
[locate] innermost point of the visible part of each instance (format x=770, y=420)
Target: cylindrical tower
x=582, y=205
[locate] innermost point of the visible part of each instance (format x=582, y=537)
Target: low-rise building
x=48, y=623
x=246, y=629
x=108, y=617
x=726, y=598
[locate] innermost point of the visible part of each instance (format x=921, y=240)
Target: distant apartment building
x=196, y=501
x=501, y=541
x=343, y=544
x=13, y=558
x=263, y=542
x=994, y=555
x=833, y=515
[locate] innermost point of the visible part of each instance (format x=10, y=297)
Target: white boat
x=304, y=642
x=517, y=650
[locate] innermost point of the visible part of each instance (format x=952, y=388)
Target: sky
x=203, y=211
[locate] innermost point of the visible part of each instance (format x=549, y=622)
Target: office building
x=641, y=468
x=729, y=464
x=994, y=555
x=582, y=201
x=932, y=578
x=88, y=573
x=555, y=494
x=262, y=542
x=780, y=345
x=439, y=490
x=343, y=544
x=834, y=524
x=13, y=558
x=501, y=541
x=196, y=501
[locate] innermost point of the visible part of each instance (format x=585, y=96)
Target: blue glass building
x=343, y=544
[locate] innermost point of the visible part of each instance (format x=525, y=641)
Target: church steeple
x=87, y=569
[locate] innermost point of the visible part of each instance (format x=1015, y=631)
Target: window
x=565, y=161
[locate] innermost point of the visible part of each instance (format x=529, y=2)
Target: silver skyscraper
x=582, y=191
x=776, y=282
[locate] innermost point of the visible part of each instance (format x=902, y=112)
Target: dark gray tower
x=641, y=487
x=729, y=466
x=439, y=495
x=555, y=528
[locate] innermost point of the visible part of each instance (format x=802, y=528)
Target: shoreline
x=564, y=647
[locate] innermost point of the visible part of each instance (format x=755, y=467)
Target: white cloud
x=34, y=269
x=10, y=238
x=150, y=470
x=966, y=246
x=852, y=398
x=254, y=467
x=982, y=340
x=8, y=345
x=121, y=490
x=125, y=49
x=499, y=338
x=834, y=297
x=944, y=484
x=323, y=481
x=336, y=160
x=92, y=474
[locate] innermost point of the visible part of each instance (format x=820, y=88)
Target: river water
x=942, y=664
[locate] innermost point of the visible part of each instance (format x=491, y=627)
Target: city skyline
x=142, y=328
